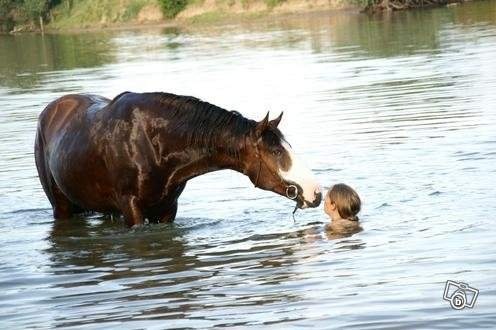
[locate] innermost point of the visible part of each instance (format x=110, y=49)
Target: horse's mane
x=203, y=124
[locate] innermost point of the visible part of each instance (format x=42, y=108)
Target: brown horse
x=133, y=155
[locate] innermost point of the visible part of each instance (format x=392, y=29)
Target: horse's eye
x=276, y=152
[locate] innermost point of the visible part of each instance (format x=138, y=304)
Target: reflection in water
x=109, y=269
x=400, y=107
x=23, y=57
x=380, y=35
x=131, y=264
x=466, y=15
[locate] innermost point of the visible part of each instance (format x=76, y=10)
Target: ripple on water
x=402, y=109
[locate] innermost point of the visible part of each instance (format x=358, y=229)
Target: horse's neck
x=227, y=152
x=201, y=162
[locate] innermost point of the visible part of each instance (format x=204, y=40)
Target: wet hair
x=347, y=201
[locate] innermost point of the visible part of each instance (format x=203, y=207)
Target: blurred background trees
x=21, y=15
x=31, y=12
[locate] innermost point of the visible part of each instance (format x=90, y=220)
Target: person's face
x=329, y=206
x=331, y=209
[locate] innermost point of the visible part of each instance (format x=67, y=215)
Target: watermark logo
x=460, y=295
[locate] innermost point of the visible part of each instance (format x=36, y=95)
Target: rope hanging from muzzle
x=294, y=211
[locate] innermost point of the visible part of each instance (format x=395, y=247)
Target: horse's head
x=272, y=165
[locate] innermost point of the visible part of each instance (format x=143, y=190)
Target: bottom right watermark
x=460, y=295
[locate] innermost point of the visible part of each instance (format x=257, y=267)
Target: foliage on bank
x=13, y=12
x=380, y=5
x=19, y=15
x=95, y=13
x=171, y=8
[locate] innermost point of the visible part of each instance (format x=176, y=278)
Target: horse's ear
x=275, y=122
x=262, y=125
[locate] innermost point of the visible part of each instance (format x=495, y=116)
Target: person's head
x=342, y=202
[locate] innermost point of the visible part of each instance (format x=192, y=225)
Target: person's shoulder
x=344, y=226
x=351, y=223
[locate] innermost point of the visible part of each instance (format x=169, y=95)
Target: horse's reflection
x=98, y=242
x=101, y=262
x=97, y=261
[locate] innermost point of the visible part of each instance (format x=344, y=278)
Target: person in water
x=342, y=204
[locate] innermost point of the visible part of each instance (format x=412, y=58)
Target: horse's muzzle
x=303, y=203
x=316, y=201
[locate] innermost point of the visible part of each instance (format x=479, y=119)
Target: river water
x=400, y=107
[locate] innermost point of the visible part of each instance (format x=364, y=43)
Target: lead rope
x=294, y=211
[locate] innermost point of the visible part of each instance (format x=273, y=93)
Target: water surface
x=401, y=107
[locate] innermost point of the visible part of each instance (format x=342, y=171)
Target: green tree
x=35, y=8
x=6, y=20
x=23, y=11
x=5, y=8
x=171, y=8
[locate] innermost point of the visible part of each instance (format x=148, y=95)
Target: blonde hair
x=347, y=201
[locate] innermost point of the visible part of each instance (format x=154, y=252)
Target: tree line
x=33, y=12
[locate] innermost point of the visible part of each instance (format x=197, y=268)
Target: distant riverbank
x=71, y=15
x=115, y=14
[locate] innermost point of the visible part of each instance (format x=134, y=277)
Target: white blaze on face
x=300, y=174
